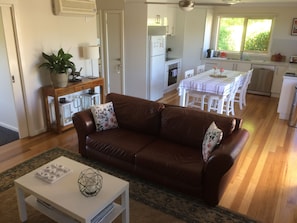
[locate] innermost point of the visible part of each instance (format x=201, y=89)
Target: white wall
x=41, y=31
x=193, y=37
x=136, y=49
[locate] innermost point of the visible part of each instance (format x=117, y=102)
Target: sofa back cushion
x=188, y=126
x=136, y=114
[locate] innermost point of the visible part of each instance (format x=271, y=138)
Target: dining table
x=210, y=82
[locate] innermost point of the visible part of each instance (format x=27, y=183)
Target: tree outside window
x=244, y=34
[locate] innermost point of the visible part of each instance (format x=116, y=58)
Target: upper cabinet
x=171, y=20
x=162, y=15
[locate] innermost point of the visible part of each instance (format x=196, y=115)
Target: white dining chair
x=194, y=99
x=228, y=103
x=200, y=69
x=189, y=73
x=240, y=96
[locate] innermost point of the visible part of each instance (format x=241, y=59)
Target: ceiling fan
x=188, y=5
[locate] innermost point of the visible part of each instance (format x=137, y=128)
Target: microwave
x=293, y=59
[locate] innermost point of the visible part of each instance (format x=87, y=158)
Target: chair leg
x=244, y=99
x=209, y=104
x=202, y=102
x=227, y=108
x=240, y=102
x=232, y=108
x=187, y=99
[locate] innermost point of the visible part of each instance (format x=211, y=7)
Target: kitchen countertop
x=291, y=74
x=169, y=59
x=266, y=62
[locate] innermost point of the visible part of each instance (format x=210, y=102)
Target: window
x=244, y=34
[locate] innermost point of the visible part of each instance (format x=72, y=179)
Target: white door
x=114, y=51
x=12, y=99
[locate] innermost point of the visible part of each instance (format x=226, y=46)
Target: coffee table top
x=64, y=194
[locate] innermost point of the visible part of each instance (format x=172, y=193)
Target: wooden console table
x=70, y=89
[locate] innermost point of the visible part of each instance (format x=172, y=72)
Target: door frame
x=14, y=64
x=106, y=50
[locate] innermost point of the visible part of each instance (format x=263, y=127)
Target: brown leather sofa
x=163, y=144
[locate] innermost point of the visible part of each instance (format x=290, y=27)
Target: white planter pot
x=59, y=80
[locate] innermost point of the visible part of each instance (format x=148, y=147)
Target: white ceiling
x=245, y=2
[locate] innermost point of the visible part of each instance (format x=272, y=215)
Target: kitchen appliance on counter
x=261, y=81
x=209, y=53
x=157, y=54
x=293, y=59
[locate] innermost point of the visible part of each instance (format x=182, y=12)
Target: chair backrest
x=249, y=74
x=247, y=79
x=200, y=68
x=234, y=88
x=189, y=73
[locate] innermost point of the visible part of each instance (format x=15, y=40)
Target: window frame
x=246, y=18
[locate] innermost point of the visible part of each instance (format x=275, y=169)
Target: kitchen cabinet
x=162, y=15
x=278, y=80
x=210, y=65
x=286, y=97
x=156, y=15
x=227, y=65
x=171, y=20
x=231, y=65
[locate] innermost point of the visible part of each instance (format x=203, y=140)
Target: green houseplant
x=59, y=66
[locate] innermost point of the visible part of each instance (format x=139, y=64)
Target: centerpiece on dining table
x=218, y=75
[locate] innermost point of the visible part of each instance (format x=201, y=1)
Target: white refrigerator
x=157, y=54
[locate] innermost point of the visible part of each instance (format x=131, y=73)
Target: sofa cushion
x=120, y=143
x=172, y=160
x=213, y=137
x=136, y=114
x=104, y=116
x=188, y=126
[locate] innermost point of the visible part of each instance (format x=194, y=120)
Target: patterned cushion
x=213, y=137
x=104, y=116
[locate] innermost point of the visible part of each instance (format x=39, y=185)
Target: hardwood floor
x=264, y=186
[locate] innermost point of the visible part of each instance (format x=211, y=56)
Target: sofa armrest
x=84, y=124
x=220, y=162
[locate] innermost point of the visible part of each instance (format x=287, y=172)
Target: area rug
x=148, y=202
x=7, y=136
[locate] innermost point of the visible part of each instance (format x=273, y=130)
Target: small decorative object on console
x=53, y=172
x=90, y=182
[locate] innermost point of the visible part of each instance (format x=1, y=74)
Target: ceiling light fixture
x=186, y=5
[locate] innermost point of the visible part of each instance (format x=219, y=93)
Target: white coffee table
x=65, y=203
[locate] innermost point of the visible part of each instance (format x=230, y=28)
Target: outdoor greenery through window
x=244, y=34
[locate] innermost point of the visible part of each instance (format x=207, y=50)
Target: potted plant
x=59, y=67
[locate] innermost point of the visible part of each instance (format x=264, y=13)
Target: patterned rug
x=178, y=206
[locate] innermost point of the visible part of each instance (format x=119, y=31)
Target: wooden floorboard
x=264, y=185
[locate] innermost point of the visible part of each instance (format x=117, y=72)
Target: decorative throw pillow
x=212, y=137
x=104, y=116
